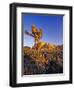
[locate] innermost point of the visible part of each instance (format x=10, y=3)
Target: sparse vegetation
x=47, y=60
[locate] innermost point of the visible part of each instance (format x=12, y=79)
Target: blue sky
x=52, y=26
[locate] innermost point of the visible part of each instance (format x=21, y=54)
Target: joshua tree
x=37, y=34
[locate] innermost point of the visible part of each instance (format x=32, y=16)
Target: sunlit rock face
x=43, y=58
